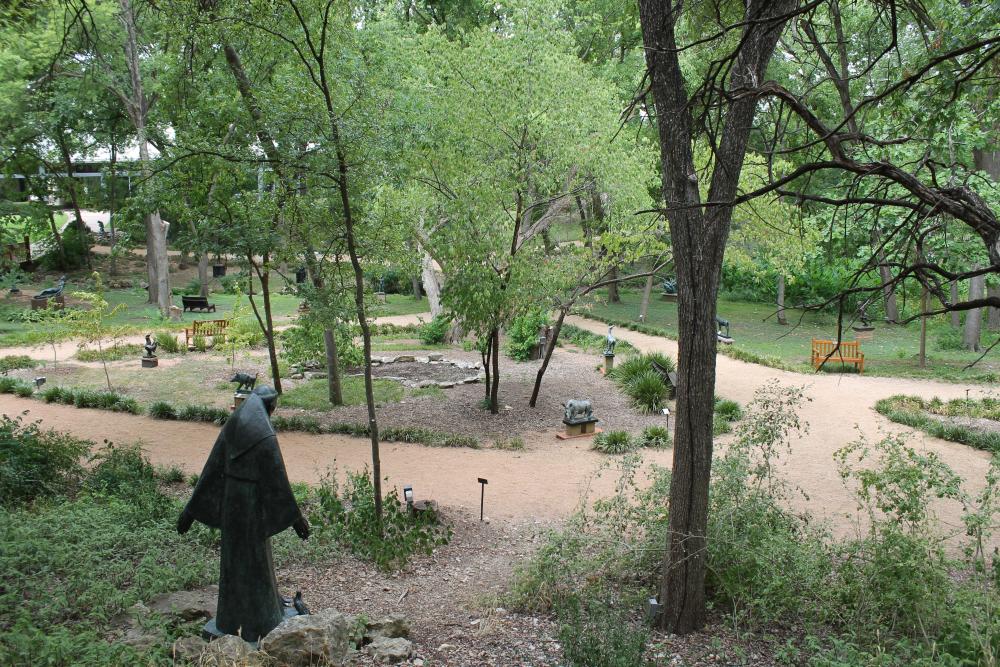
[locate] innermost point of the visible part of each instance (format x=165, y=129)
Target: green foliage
x=916, y=412
x=949, y=338
x=304, y=343
x=200, y=343
x=435, y=331
x=168, y=342
x=90, y=398
x=515, y=444
x=522, y=334
x=648, y=392
x=116, y=352
x=728, y=410
x=656, y=437
x=35, y=463
x=9, y=385
x=303, y=423
x=15, y=362
x=203, y=413
x=315, y=394
x=614, y=442
x=173, y=474
x=123, y=472
x=597, y=631
x=162, y=410
x=348, y=516
x=587, y=340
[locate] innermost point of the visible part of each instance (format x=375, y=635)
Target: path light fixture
x=653, y=609
x=39, y=381
x=408, y=494
x=482, y=496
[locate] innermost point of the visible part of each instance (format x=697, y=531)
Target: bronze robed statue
x=244, y=492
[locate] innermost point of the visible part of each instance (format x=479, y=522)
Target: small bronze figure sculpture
x=244, y=382
x=722, y=324
x=53, y=291
x=669, y=286
x=150, y=347
x=244, y=491
x=609, y=343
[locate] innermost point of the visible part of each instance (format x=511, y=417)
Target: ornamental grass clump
x=655, y=437
x=648, y=392
x=614, y=442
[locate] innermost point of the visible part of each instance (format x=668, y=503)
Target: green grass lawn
x=401, y=304
x=892, y=353
x=314, y=394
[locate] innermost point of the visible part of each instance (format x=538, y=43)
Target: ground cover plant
x=314, y=394
x=870, y=599
x=973, y=422
x=15, y=362
x=760, y=339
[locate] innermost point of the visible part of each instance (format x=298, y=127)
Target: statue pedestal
x=609, y=363
x=41, y=303
x=864, y=333
x=238, y=399
x=380, y=297
x=211, y=631
x=581, y=429
x=668, y=297
x=150, y=362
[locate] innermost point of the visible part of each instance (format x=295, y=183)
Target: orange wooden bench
x=205, y=328
x=844, y=352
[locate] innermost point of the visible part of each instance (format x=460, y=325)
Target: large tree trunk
x=203, y=277
x=699, y=237
x=495, y=375
x=644, y=304
x=992, y=313
x=974, y=317
x=548, y=356
x=781, y=300
x=432, y=286
x=613, y=295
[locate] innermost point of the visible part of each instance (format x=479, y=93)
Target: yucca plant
x=627, y=371
x=648, y=392
x=614, y=442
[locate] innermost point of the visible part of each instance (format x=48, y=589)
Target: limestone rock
x=297, y=376
x=435, y=356
x=405, y=357
x=187, y=605
x=393, y=625
x=228, y=650
x=140, y=639
x=322, y=638
x=188, y=649
x=446, y=385
x=390, y=649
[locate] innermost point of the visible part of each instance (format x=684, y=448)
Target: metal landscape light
x=482, y=496
x=39, y=381
x=408, y=494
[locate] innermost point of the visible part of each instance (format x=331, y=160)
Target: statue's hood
x=247, y=426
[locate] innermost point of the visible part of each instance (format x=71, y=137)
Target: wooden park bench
x=197, y=303
x=205, y=329
x=843, y=351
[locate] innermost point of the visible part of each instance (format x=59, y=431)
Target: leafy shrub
x=247, y=330
x=296, y=423
x=113, y=353
x=232, y=284
x=587, y=340
x=36, y=463
x=9, y=385
x=168, y=342
x=595, y=632
x=304, y=342
x=15, y=362
x=522, y=335
x=515, y=444
x=614, y=442
x=125, y=473
x=105, y=400
x=728, y=410
x=200, y=343
x=648, y=392
x=162, y=410
x=170, y=474
x=949, y=339
x=348, y=516
x=58, y=395
x=655, y=437
x=193, y=288
x=435, y=331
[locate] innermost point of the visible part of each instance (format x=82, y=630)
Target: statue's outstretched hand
x=184, y=522
x=301, y=528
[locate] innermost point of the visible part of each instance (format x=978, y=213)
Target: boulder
x=446, y=385
x=435, y=356
x=229, y=650
x=405, y=357
x=390, y=649
x=141, y=639
x=187, y=605
x=315, y=375
x=322, y=638
x=391, y=626
x=188, y=649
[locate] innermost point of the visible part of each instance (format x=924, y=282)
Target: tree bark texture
x=432, y=286
x=974, y=317
x=613, y=295
x=644, y=304
x=333, y=368
x=495, y=374
x=699, y=237
x=781, y=300
x=888, y=293
x=548, y=356
x=993, y=314
x=956, y=317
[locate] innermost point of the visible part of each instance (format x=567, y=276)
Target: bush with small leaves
x=614, y=442
x=435, y=331
x=728, y=410
x=15, y=362
x=36, y=463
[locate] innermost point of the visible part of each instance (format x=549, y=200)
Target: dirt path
x=841, y=406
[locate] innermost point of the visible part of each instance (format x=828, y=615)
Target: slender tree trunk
x=203, y=277
x=486, y=365
x=922, y=359
x=992, y=313
x=956, y=317
x=495, y=375
x=885, y=274
x=781, y=300
x=333, y=368
x=974, y=317
x=415, y=287
x=548, y=356
x=63, y=260
x=266, y=322
x=644, y=304
x=112, y=206
x=81, y=228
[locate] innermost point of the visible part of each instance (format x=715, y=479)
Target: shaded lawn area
x=400, y=304
x=315, y=395
x=892, y=353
